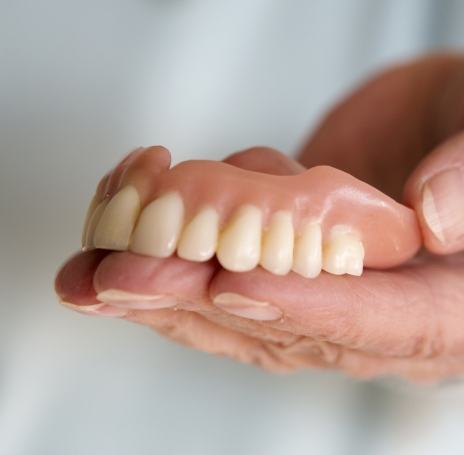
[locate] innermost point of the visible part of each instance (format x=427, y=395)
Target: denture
x=320, y=219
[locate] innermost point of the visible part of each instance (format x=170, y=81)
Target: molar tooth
x=240, y=243
x=93, y=222
x=198, y=241
x=117, y=221
x=159, y=226
x=277, y=250
x=343, y=253
x=307, y=259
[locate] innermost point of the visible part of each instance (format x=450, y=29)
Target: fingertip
x=151, y=276
x=436, y=191
x=442, y=211
x=162, y=155
x=266, y=160
x=74, y=280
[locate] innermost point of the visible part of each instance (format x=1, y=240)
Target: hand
x=396, y=132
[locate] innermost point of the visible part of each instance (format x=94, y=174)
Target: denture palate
x=321, y=219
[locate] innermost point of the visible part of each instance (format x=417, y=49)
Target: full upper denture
x=320, y=219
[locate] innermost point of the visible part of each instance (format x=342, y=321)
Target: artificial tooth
x=277, y=248
x=199, y=238
x=307, y=260
x=343, y=253
x=240, y=243
x=117, y=221
x=92, y=206
x=159, y=226
x=93, y=222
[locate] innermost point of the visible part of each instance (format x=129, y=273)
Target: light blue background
x=83, y=82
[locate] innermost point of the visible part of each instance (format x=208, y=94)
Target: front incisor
x=239, y=245
x=277, y=249
x=159, y=226
x=117, y=221
x=199, y=238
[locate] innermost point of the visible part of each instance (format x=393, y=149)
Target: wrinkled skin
x=392, y=132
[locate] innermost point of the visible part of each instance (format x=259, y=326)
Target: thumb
x=436, y=191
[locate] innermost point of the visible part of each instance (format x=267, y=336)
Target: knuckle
x=313, y=352
x=427, y=346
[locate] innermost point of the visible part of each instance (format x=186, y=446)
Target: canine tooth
x=277, y=249
x=93, y=222
x=159, y=226
x=240, y=243
x=343, y=253
x=117, y=221
x=92, y=206
x=307, y=260
x=198, y=241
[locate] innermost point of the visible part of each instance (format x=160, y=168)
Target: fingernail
x=129, y=300
x=443, y=205
x=98, y=309
x=157, y=304
x=115, y=295
x=245, y=307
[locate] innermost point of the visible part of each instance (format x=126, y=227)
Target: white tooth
x=355, y=264
x=343, y=252
x=93, y=222
x=240, y=243
x=159, y=226
x=277, y=252
x=93, y=205
x=199, y=238
x=117, y=221
x=307, y=260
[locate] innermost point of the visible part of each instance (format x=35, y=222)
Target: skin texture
x=405, y=321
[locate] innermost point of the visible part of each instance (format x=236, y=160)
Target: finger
x=216, y=333
x=425, y=371
x=144, y=282
x=265, y=160
x=386, y=126
x=129, y=280
x=74, y=279
x=413, y=311
x=436, y=191
x=186, y=285
x=194, y=330
x=122, y=278
x=74, y=285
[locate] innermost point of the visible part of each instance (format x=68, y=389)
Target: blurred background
x=82, y=83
